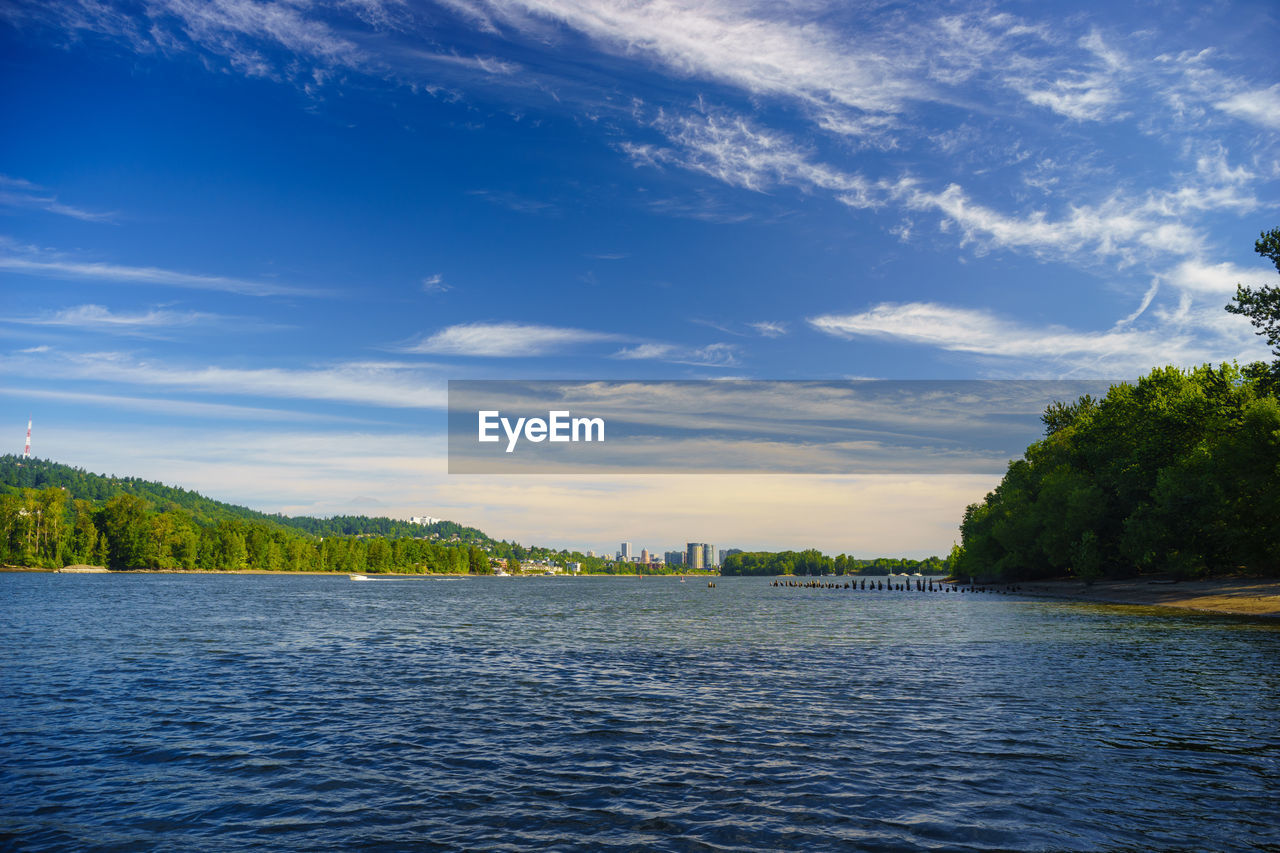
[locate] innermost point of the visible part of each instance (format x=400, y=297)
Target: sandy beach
x=1237, y=596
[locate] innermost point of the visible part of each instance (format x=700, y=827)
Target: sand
x=1237, y=596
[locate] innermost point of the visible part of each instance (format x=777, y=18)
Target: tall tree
x=1262, y=304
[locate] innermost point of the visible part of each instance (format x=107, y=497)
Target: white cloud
x=235, y=28
x=96, y=271
x=769, y=328
x=980, y=332
x=1083, y=95
x=711, y=355
x=1200, y=277
x=740, y=153
x=181, y=408
x=373, y=384
x=1259, y=106
x=1119, y=227
x=96, y=317
x=781, y=52
x=435, y=284
x=22, y=194
x=505, y=340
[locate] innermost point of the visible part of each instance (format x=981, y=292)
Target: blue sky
x=243, y=244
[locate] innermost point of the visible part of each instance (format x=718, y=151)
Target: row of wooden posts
x=923, y=585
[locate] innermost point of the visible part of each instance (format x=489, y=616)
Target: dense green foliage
x=1179, y=473
x=814, y=562
x=53, y=515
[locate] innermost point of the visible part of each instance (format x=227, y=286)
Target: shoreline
x=1252, y=597
x=1255, y=597
x=336, y=574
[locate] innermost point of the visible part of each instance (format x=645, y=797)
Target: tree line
x=54, y=515
x=813, y=562
x=47, y=528
x=17, y=473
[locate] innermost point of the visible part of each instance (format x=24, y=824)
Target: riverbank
x=1235, y=596
x=101, y=570
x=83, y=569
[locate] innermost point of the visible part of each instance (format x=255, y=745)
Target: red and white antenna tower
x=26, y=451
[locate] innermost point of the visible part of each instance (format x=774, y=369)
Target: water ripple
x=225, y=713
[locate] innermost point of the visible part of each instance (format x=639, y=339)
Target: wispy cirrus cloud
x=711, y=355
x=21, y=194
x=435, y=283
x=1258, y=106
x=773, y=51
x=31, y=262
x=770, y=328
x=308, y=44
x=740, y=152
x=505, y=340
x=979, y=332
x=387, y=384
x=152, y=323
x=182, y=408
x=1119, y=226
x=515, y=202
x=1200, y=277
x=1090, y=91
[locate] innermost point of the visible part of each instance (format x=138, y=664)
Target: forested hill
x=17, y=474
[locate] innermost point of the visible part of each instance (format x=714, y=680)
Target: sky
x=244, y=245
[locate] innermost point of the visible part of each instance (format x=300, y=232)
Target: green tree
x=379, y=556
x=124, y=524
x=84, y=535
x=1262, y=304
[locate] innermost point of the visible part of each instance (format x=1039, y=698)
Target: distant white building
x=423, y=519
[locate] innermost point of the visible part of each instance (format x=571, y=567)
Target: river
x=229, y=712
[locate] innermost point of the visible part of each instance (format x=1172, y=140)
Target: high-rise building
x=626, y=551
x=644, y=555
x=675, y=558
x=709, y=556
x=693, y=556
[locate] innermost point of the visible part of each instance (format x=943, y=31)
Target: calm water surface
x=312, y=713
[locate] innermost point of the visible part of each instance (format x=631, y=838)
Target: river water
x=224, y=712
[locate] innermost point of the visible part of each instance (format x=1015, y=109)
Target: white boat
x=361, y=578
